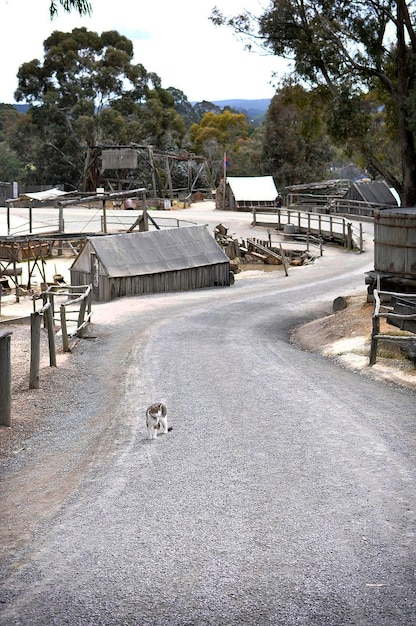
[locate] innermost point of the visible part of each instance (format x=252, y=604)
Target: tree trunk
x=408, y=152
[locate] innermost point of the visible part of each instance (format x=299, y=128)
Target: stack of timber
x=257, y=251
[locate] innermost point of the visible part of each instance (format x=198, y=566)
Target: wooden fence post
x=51, y=336
x=282, y=254
x=35, y=321
x=375, y=331
x=64, y=330
x=5, y=378
x=81, y=317
x=349, y=241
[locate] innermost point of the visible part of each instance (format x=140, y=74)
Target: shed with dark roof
x=376, y=193
x=175, y=259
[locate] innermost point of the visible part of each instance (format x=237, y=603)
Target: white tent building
x=242, y=193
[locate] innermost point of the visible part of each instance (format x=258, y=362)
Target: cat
x=156, y=419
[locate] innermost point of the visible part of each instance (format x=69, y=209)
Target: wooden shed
x=127, y=264
x=242, y=193
x=375, y=193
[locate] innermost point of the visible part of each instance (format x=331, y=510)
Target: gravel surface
x=283, y=495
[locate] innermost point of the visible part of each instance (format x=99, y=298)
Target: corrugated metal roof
x=253, y=188
x=138, y=254
x=376, y=192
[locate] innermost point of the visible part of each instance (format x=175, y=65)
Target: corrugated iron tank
x=395, y=242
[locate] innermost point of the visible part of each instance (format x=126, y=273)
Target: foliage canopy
x=352, y=48
x=83, y=7
x=87, y=91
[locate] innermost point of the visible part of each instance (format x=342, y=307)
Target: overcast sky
x=173, y=38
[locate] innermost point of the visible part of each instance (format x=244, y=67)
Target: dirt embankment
x=345, y=337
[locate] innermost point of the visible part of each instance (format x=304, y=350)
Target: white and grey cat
x=156, y=419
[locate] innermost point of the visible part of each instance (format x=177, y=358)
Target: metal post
x=61, y=226
x=61, y=229
x=5, y=378
x=104, y=227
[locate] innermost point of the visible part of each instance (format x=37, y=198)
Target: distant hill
x=254, y=109
x=22, y=108
x=258, y=105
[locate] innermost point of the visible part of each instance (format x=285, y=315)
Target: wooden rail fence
x=35, y=325
x=328, y=227
x=383, y=308
x=80, y=295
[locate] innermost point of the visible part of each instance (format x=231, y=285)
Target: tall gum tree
x=88, y=91
x=351, y=47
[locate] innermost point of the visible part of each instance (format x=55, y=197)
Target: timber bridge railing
x=333, y=228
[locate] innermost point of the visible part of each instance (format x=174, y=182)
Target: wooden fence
x=327, y=203
x=384, y=307
x=328, y=227
x=80, y=296
x=308, y=240
x=35, y=326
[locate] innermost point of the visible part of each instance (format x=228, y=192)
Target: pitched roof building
x=174, y=259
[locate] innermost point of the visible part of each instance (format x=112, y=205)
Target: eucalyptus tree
x=182, y=106
x=296, y=147
x=352, y=47
x=216, y=134
x=86, y=92
x=83, y=7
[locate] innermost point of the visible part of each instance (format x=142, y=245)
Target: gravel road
x=284, y=494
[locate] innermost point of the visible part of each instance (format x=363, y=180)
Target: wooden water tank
x=395, y=241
